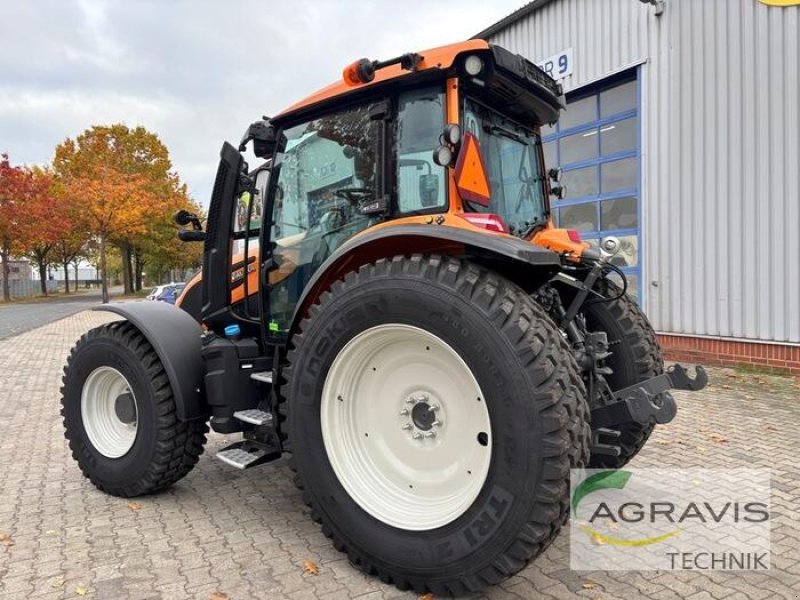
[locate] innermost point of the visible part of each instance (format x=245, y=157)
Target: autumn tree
x=44, y=220
x=115, y=205
x=144, y=193
x=11, y=183
x=72, y=235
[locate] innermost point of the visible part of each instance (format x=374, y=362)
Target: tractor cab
x=448, y=136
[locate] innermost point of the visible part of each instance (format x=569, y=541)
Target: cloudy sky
x=196, y=72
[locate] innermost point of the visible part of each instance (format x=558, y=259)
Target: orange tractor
x=387, y=300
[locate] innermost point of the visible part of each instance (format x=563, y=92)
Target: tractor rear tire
x=120, y=415
x=412, y=346
x=636, y=356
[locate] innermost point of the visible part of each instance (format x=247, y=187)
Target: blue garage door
x=596, y=143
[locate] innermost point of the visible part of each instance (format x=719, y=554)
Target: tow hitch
x=646, y=402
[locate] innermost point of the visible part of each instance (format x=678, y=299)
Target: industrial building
x=681, y=136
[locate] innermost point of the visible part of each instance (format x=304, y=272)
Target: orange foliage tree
x=124, y=177
x=11, y=187
x=114, y=207
x=44, y=221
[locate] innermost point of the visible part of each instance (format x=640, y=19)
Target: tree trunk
x=66, y=277
x=130, y=270
x=6, y=273
x=126, y=267
x=138, y=267
x=43, y=276
x=75, y=263
x=103, y=267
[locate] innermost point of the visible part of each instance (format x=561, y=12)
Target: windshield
x=516, y=175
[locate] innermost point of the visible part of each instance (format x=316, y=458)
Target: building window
x=596, y=143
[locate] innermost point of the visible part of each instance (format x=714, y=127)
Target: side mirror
x=559, y=191
x=184, y=217
x=429, y=190
x=191, y=235
x=196, y=233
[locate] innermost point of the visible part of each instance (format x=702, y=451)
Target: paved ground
x=246, y=535
x=18, y=317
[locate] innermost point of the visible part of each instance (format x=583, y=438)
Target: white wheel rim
x=382, y=450
x=111, y=436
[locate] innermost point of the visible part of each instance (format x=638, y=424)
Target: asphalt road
x=19, y=317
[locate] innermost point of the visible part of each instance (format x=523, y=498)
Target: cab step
x=248, y=453
x=254, y=416
x=262, y=376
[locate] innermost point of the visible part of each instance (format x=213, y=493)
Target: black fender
x=528, y=265
x=175, y=336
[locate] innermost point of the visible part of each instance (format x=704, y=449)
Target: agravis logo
x=670, y=519
x=603, y=481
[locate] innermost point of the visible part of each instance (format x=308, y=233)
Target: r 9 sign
x=559, y=65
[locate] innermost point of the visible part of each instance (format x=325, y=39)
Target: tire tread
x=179, y=444
x=561, y=399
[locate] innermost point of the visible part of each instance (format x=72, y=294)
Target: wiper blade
x=504, y=132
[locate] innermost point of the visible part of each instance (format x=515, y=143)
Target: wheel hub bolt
x=423, y=416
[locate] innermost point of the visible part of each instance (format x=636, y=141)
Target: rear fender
x=175, y=336
x=528, y=265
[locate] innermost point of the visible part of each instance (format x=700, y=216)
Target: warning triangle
x=472, y=180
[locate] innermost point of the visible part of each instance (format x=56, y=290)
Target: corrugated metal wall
x=720, y=150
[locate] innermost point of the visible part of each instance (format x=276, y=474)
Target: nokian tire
x=533, y=394
x=164, y=450
x=636, y=356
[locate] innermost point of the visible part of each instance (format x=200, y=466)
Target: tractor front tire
x=434, y=412
x=120, y=415
x=636, y=356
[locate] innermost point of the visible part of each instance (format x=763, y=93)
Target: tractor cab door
x=231, y=253
x=245, y=250
x=327, y=184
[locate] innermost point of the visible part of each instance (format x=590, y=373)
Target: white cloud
x=195, y=72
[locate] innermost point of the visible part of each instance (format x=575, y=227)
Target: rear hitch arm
x=681, y=380
x=648, y=401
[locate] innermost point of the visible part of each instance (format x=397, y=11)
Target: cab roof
x=442, y=57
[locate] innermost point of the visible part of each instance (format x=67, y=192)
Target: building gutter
x=518, y=14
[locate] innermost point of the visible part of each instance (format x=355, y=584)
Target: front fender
x=175, y=336
x=525, y=263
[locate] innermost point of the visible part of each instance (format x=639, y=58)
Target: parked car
x=168, y=292
x=155, y=292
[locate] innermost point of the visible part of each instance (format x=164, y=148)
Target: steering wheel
x=352, y=194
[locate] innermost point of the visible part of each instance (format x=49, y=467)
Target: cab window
x=420, y=120
x=326, y=172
